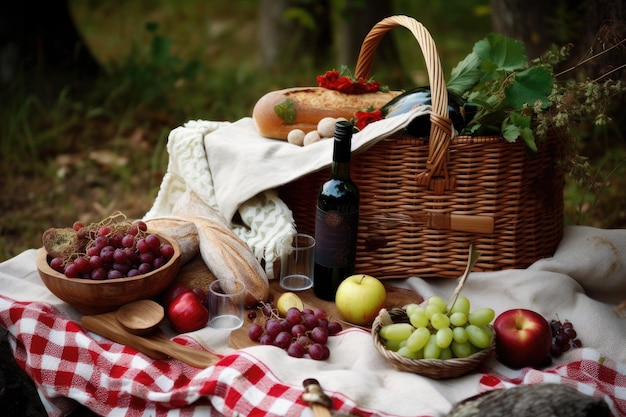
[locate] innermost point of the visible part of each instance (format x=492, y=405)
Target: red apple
x=359, y=298
x=186, y=313
x=523, y=338
x=172, y=292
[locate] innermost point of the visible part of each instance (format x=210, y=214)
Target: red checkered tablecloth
x=70, y=365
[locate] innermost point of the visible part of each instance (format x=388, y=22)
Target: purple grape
x=298, y=330
x=296, y=350
x=128, y=241
x=273, y=327
x=283, y=340
x=99, y=274
x=266, y=339
x=334, y=328
x=158, y=262
x=119, y=256
x=255, y=332
x=115, y=239
x=319, y=352
x=293, y=316
x=153, y=241
x=144, y=268
x=114, y=274
x=310, y=321
x=319, y=335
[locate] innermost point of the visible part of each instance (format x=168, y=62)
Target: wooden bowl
x=433, y=368
x=95, y=297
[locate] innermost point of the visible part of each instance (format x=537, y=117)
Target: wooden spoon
x=155, y=344
x=140, y=317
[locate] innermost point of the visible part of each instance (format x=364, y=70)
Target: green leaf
x=510, y=132
x=529, y=138
x=286, y=110
x=518, y=125
x=529, y=85
x=465, y=75
x=506, y=53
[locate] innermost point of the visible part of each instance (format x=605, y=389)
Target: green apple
x=359, y=298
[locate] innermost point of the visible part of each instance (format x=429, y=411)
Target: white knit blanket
x=235, y=170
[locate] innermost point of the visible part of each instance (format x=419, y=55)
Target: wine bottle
x=336, y=219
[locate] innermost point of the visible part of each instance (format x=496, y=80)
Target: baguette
x=183, y=231
x=310, y=105
x=223, y=252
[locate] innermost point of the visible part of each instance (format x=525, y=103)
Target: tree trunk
x=294, y=31
x=39, y=41
x=591, y=26
x=357, y=18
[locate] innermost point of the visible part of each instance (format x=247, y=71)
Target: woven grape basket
x=424, y=201
x=433, y=368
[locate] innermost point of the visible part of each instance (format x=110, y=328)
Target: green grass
x=168, y=62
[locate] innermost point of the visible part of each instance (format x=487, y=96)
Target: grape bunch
x=564, y=337
x=114, y=249
x=433, y=332
x=299, y=333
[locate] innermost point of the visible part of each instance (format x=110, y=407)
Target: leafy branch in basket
x=517, y=98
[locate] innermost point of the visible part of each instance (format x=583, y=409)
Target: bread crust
x=311, y=105
x=63, y=242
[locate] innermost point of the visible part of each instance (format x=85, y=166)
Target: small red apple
x=523, y=338
x=172, y=292
x=186, y=313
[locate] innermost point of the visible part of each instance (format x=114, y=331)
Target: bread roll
x=63, y=242
x=310, y=105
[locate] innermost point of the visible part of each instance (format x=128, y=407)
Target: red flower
x=363, y=118
x=333, y=80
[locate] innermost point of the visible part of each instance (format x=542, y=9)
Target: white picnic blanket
x=581, y=283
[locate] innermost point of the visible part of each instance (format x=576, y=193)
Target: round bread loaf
x=309, y=105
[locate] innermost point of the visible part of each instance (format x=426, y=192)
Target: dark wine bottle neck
x=340, y=170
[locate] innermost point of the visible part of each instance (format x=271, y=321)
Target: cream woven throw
x=236, y=171
x=264, y=217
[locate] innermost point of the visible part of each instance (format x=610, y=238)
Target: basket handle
x=436, y=175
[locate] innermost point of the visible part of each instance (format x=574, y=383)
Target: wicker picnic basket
x=425, y=200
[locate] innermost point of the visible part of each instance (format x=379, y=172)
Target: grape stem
x=471, y=261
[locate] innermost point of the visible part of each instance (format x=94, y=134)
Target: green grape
x=431, y=350
x=437, y=301
x=460, y=335
x=461, y=305
x=482, y=316
x=406, y=352
x=461, y=350
x=396, y=331
x=393, y=345
x=418, y=319
x=477, y=336
x=432, y=309
x=411, y=308
x=446, y=353
x=439, y=321
x=488, y=331
x=418, y=339
x=444, y=337
x=458, y=319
